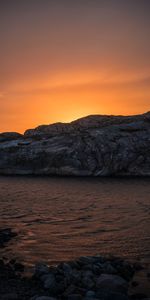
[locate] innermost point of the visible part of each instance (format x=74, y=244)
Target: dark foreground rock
x=91, y=146
x=86, y=278
x=6, y=235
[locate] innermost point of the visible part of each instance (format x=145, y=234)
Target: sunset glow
x=61, y=61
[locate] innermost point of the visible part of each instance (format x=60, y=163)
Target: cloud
x=74, y=80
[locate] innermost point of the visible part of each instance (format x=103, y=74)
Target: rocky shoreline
x=96, y=145
x=85, y=278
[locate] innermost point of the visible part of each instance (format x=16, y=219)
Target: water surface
x=62, y=218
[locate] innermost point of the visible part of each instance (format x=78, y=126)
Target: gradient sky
x=61, y=60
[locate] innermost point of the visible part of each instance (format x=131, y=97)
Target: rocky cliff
x=91, y=146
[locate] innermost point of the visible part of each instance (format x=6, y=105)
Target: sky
x=64, y=59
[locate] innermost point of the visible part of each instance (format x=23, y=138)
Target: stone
x=135, y=283
x=75, y=297
x=50, y=283
x=108, y=295
x=86, y=260
x=61, y=287
x=71, y=289
x=96, y=269
x=88, y=282
x=6, y=234
x=125, y=270
x=9, y=296
x=138, y=266
x=108, y=269
x=138, y=296
x=113, y=283
x=88, y=273
x=90, y=294
x=45, y=298
x=19, y=267
x=74, y=264
x=84, y=283
x=41, y=269
x=67, y=268
x=148, y=274
x=76, y=276
x=91, y=298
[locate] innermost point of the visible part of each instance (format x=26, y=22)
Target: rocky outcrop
x=85, y=278
x=91, y=146
x=6, y=136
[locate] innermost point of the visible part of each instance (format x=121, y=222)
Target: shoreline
x=87, y=278
x=53, y=175
x=84, y=278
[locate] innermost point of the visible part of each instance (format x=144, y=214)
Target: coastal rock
x=70, y=290
x=6, y=235
x=113, y=283
x=88, y=282
x=50, y=282
x=41, y=269
x=108, y=295
x=9, y=296
x=7, y=136
x=138, y=296
x=91, y=146
x=90, y=294
x=75, y=297
x=45, y=298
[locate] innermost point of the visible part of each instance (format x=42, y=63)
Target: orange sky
x=61, y=60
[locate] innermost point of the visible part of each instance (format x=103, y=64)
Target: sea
x=61, y=218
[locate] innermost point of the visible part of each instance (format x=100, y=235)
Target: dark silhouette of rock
x=91, y=146
x=7, y=136
x=6, y=234
x=57, y=282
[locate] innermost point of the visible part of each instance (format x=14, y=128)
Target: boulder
x=113, y=283
x=108, y=295
x=41, y=269
x=9, y=296
x=50, y=283
x=75, y=297
x=6, y=234
x=45, y=298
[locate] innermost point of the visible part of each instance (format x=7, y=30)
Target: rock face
x=91, y=146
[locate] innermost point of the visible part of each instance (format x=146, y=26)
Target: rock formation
x=85, y=278
x=96, y=145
